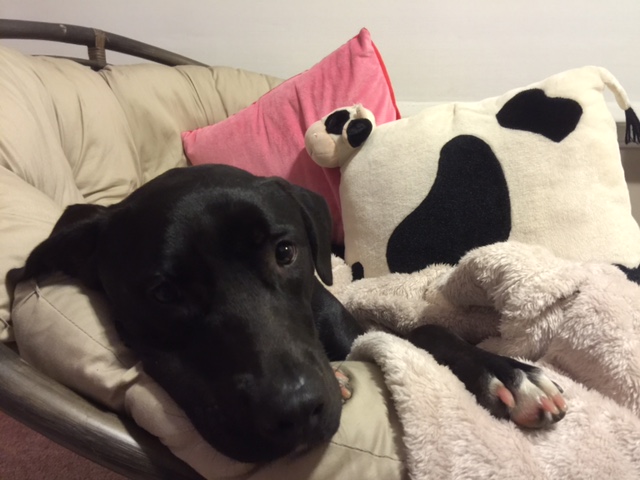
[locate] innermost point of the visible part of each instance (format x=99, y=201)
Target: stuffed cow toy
x=538, y=165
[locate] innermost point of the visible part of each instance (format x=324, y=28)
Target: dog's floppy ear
x=71, y=246
x=317, y=222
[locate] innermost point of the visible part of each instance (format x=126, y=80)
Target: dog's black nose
x=298, y=412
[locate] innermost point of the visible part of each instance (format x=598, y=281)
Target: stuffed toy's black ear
x=71, y=246
x=317, y=222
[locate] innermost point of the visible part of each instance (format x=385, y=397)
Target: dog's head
x=209, y=272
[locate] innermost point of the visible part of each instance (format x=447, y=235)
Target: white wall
x=435, y=51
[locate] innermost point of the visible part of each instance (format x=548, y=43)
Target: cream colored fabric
x=64, y=330
x=31, y=141
x=26, y=217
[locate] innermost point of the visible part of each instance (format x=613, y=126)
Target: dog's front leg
x=504, y=386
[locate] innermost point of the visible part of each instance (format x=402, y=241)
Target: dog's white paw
x=532, y=400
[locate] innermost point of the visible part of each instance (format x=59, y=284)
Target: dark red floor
x=27, y=455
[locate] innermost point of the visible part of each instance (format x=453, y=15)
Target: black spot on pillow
x=633, y=274
x=357, y=271
x=533, y=111
x=468, y=206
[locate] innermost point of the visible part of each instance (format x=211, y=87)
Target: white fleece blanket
x=580, y=322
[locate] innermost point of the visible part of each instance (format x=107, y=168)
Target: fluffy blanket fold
x=579, y=321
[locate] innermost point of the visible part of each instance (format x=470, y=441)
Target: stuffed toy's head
x=538, y=165
x=336, y=138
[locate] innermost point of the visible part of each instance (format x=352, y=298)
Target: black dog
x=209, y=272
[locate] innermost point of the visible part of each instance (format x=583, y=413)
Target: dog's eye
x=165, y=293
x=286, y=253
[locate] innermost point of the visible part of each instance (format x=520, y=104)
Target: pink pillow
x=267, y=138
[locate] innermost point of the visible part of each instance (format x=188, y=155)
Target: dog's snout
x=297, y=412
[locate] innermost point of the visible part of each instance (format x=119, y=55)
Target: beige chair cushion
x=26, y=217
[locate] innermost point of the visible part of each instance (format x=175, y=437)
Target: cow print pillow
x=539, y=164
